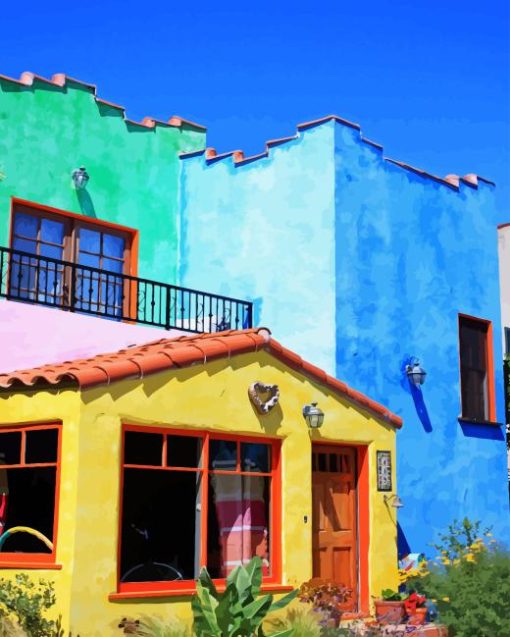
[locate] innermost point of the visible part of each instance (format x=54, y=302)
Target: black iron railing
x=81, y=288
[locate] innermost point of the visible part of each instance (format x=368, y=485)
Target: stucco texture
x=209, y=397
x=47, y=131
x=360, y=265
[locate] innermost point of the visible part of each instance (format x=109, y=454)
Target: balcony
x=72, y=287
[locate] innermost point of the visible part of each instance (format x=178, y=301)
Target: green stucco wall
x=46, y=131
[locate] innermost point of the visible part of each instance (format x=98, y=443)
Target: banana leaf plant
x=240, y=610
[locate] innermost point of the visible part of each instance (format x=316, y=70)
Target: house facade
x=370, y=268
x=127, y=472
x=379, y=265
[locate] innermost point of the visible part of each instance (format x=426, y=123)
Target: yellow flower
x=470, y=557
x=446, y=599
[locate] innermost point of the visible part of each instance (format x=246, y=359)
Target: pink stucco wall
x=32, y=335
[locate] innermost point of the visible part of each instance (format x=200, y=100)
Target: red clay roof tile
x=163, y=354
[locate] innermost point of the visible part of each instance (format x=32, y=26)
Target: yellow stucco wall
x=203, y=397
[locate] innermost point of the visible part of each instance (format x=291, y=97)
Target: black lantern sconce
x=313, y=415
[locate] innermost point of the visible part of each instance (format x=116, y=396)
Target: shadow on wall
x=86, y=204
x=482, y=430
x=403, y=546
x=416, y=394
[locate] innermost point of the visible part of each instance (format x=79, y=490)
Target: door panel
x=334, y=519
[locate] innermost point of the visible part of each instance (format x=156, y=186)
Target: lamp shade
x=416, y=373
x=313, y=415
x=80, y=178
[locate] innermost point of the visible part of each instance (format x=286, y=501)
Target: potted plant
x=416, y=609
x=390, y=608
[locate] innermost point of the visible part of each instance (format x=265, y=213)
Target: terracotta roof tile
x=164, y=354
x=61, y=80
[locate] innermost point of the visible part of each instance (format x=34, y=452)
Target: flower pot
x=418, y=617
x=389, y=612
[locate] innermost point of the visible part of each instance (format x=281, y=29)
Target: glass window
x=25, y=226
x=473, y=341
x=28, y=484
x=170, y=527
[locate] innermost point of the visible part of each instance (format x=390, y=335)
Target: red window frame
x=71, y=221
x=35, y=560
x=489, y=366
x=187, y=586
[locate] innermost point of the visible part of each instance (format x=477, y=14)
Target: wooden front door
x=334, y=528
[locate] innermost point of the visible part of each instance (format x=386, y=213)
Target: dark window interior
x=41, y=446
x=142, y=448
x=10, y=447
x=473, y=369
x=159, y=524
x=183, y=451
x=31, y=502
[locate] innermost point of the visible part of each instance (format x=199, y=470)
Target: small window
x=475, y=373
x=28, y=486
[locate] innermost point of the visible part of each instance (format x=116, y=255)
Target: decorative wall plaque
x=264, y=397
x=384, y=471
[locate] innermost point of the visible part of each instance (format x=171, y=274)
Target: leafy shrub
x=239, y=611
x=471, y=583
x=325, y=596
x=26, y=601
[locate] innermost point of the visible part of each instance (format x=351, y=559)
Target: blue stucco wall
x=358, y=265
x=263, y=231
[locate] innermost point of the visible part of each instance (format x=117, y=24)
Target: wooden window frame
x=183, y=587
x=71, y=222
x=489, y=362
x=36, y=560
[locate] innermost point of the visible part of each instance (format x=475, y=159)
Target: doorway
x=335, y=518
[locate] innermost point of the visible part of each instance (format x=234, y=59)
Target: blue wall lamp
x=416, y=373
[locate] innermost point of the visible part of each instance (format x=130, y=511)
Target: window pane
x=113, y=266
x=142, y=448
x=25, y=245
x=223, y=455
x=183, y=451
x=255, y=457
x=113, y=246
x=160, y=525
x=30, y=502
x=91, y=260
x=238, y=522
x=25, y=225
x=90, y=240
x=473, y=369
x=41, y=445
x=10, y=447
x=54, y=252
x=52, y=231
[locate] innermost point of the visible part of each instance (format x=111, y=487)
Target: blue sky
x=428, y=80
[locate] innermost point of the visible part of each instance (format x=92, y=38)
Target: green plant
x=26, y=601
x=325, y=597
x=471, y=585
x=303, y=623
x=239, y=611
x=389, y=595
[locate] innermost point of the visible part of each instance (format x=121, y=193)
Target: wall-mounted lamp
x=416, y=373
x=394, y=500
x=80, y=178
x=313, y=415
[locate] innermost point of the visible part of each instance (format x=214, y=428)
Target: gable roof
x=165, y=354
